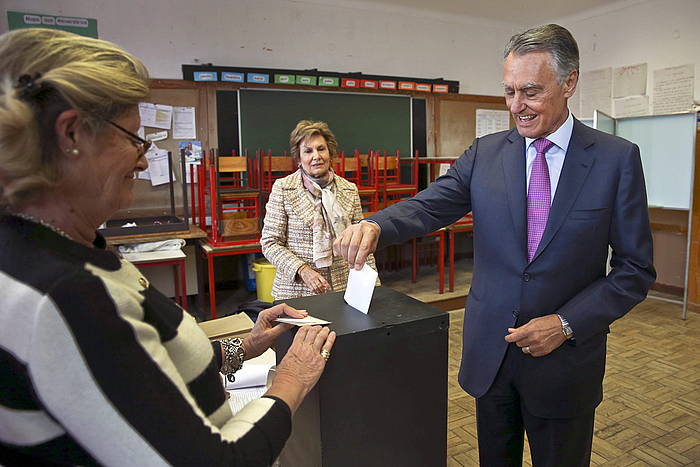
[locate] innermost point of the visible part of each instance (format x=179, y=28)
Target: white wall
x=662, y=33
x=337, y=36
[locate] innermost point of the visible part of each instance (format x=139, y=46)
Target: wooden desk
x=192, y=234
x=209, y=253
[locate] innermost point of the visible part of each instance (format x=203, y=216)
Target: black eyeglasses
x=143, y=144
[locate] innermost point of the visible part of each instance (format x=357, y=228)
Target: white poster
x=631, y=106
x=630, y=80
x=596, y=92
x=184, y=123
x=491, y=121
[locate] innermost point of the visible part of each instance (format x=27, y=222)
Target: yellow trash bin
x=264, y=276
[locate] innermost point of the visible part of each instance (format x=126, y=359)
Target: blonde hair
x=96, y=78
x=306, y=129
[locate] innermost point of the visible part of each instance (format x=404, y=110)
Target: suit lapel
x=514, y=172
x=300, y=202
x=577, y=164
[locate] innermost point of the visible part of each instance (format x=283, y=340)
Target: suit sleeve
x=442, y=203
x=273, y=240
x=593, y=309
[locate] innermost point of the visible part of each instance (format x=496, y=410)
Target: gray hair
x=551, y=38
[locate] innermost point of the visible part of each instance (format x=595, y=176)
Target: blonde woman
x=305, y=213
x=97, y=367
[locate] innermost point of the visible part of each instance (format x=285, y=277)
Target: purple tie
x=538, y=197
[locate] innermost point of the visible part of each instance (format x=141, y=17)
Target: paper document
x=183, y=123
x=673, y=89
x=254, y=371
x=360, y=288
x=308, y=321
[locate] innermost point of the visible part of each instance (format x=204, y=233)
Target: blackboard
x=358, y=120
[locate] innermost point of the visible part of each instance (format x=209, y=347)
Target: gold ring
x=325, y=354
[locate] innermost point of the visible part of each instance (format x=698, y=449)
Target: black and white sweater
x=97, y=367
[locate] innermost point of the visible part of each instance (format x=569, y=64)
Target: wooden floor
x=650, y=414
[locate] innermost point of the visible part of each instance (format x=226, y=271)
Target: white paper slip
x=360, y=288
x=308, y=321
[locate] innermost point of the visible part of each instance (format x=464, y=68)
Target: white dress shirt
x=555, y=155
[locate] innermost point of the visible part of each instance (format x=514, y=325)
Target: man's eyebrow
x=524, y=87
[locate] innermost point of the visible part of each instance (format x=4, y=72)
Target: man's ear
x=69, y=133
x=570, y=84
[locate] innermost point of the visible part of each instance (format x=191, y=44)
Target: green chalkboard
x=359, y=121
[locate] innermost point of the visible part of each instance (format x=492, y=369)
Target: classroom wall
x=662, y=33
x=329, y=35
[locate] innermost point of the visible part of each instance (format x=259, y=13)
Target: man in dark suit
x=548, y=199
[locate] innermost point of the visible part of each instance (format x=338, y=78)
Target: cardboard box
x=350, y=83
x=407, y=85
x=440, y=88
x=232, y=77
x=423, y=87
x=369, y=84
x=306, y=80
x=258, y=78
x=205, y=76
x=328, y=81
x=238, y=325
x=284, y=79
x=387, y=84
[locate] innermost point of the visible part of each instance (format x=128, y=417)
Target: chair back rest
x=232, y=164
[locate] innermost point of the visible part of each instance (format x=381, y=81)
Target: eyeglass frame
x=145, y=144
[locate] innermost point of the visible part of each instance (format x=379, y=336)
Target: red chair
x=359, y=169
x=465, y=224
x=233, y=205
x=275, y=167
x=391, y=187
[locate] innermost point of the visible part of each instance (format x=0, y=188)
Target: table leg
x=441, y=262
x=212, y=287
x=451, y=235
x=183, y=284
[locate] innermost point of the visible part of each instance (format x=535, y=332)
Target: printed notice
x=491, y=121
x=596, y=89
x=184, y=123
x=673, y=89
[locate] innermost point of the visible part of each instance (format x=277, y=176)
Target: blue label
x=232, y=76
x=205, y=76
x=258, y=78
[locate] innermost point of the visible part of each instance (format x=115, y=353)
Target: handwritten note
x=630, y=80
x=673, y=89
x=631, y=106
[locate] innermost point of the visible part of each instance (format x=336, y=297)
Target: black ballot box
x=382, y=399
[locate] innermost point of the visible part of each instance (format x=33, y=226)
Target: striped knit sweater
x=99, y=368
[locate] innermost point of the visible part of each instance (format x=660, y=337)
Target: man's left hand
x=539, y=336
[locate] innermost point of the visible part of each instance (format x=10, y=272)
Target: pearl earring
x=74, y=151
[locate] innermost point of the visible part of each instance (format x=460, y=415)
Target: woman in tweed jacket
x=303, y=215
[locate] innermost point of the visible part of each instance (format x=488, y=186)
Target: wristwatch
x=565, y=327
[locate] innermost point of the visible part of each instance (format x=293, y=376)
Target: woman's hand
x=302, y=366
x=267, y=330
x=313, y=280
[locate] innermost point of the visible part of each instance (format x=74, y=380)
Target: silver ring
x=325, y=354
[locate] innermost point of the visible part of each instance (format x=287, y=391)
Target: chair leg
x=441, y=262
x=451, y=235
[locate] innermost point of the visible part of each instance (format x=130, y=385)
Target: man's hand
x=538, y=337
x=356, y=243
x=267, y=330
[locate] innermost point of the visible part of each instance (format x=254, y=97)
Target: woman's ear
x=69, y=133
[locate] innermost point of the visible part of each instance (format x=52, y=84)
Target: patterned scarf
x=329, y=218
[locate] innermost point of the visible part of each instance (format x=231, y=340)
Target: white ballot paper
x=308, y=321
x=360, y=288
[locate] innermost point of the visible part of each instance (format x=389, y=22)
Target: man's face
x=534, y=97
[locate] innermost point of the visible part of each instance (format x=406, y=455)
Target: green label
x=83, y=26
x=328, y=81
x=284, y=79
x=307, y=80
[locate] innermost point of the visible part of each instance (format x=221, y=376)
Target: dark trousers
x=502, y=419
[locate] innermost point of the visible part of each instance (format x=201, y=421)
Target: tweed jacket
x=287, y=235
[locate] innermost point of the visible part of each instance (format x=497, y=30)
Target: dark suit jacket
x=600, y=201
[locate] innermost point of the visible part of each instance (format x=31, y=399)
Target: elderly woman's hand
x=313, y=280
x=267, y=330
x=303, y=364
